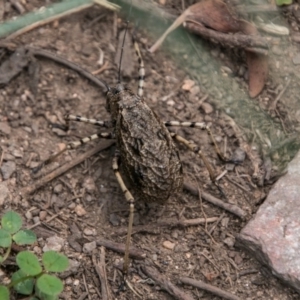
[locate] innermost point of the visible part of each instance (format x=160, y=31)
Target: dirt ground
x=86, y=203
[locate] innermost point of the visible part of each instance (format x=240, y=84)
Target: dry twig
x=117, y=247
x=167, y=223
x=227, y=206
x=100, y=269
x=210, y=288
x=165, y=284
x=64, y=168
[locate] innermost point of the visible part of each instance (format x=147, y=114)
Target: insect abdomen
x=148, y=155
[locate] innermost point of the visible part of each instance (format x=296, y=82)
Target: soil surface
x=86, y=203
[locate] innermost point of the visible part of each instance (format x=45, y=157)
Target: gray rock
x=7, y=169
x=273, y=234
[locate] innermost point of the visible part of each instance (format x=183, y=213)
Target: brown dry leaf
x=215, y=14
x=258, y=72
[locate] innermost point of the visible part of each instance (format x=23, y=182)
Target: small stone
x=174, y=234
x=42, y=215
x=28, y=215
x=79, y=210
x=238, y=259
x=229, y=241
x=7, y=169
x=76, y=282
x=4, y=193
x=89, y=184
x=37, y=250
x=168, y=245
x=17, y=153
x=296, y=59
x=58, y=188
x=5, y=128
x=181, y=248
x=188, y=84
x=195, y=90
x=54, y=243
x=90, y=231
x=225, y=222
x=114, y=219
x=36, y=220
x=238, y=156
x=72, y=205
x=188, y=255
x=154, y=256
x=89, y=247
x=208, y=108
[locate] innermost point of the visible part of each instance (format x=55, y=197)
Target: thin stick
x=166, y=223
x=117, y=247
x=165, y=284
x=208, y=287
x=100, y=269
x=274, y=104
x=64, y=168
x=209, y=198
x=86, y=288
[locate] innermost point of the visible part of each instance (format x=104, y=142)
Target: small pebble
x=188, y=255
x=154, y=256
x=72, y=205
x=5, y=128
x=89, y=231
x=7, y=169
x=37, y=250
x=36, y=220
x=208, y=108
x=17, y=153
x=4, y=193
x=89, y=247
x=28, y=215
x=54, y=243
x=168, y=245
x=79, y=210
x=58, y=188
x=42, y=215
x=76, y=282
x=229, y=241
x=188, y=84
x=89, y=184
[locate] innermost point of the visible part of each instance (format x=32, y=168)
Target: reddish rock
x=273, y=235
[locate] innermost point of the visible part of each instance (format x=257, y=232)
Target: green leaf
x=24, y=237
x=5, y=238
x=55, y=262
x=29, y=263
x=4, y=293
x=49, y=285
x=24, y=287
x=283, y=2
x=11, y=221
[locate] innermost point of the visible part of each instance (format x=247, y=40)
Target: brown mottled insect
x=145, y=147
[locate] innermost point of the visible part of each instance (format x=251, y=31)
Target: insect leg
x=106, y=124
x=130, y=200
x=73, y=145
x=196, y=150
x=202, y=126
x=141, y=69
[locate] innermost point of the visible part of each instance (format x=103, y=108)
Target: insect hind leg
x=200, y=125
x=73, y=145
